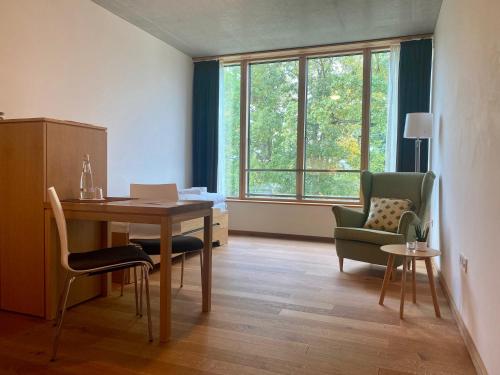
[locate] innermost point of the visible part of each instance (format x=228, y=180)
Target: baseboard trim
x=469, y=343
x=283, y=236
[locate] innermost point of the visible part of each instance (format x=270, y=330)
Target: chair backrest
x=61, y=226
x=151, y=191
x=414, y=186
x=154, y=191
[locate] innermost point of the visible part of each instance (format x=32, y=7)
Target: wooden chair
x=92, y=263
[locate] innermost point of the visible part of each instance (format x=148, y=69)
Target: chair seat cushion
x=108, y=258
x=368, y=235
x=180, y=244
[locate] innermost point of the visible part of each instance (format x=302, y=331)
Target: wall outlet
x=464, y=262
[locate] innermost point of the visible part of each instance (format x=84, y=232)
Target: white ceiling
x=216, y=27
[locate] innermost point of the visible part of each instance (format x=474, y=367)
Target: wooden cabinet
x=34, y=155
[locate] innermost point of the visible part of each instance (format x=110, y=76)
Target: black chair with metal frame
x=180, y=245
x=147, y=235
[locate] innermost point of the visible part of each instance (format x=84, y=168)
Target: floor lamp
x=418, y=126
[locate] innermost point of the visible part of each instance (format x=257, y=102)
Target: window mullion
x=301, y=125
x=243, y=129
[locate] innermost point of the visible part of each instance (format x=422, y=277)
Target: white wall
x=73, y=60
x=302, y=220
x=466, y=157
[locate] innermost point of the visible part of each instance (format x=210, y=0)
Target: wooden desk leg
x=430, y=275
x=207, y=264
x=387, y=276
x=165, y=278
x=106, y=277
x=403, y=288
x=414, y=278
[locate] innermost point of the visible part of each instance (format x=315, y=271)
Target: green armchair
x=352, y=241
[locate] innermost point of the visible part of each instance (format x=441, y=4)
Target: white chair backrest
x=152, y=191
x=61, y=226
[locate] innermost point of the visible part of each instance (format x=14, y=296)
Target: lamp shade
x=418, y=125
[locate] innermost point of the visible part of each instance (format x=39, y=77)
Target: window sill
x=298, y=203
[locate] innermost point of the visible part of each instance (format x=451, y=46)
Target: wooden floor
x=279, y=307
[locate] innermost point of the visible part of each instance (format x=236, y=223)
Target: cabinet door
x=21, y=217
x=66, y=145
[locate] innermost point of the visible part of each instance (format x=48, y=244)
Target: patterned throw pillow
x=386, y=212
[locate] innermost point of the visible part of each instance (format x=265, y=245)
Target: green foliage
x=378, y=111
x=333, y=125
x=272, y=139
x=231, y=120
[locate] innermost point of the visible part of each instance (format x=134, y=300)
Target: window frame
x=302, y=57
x=247, y=170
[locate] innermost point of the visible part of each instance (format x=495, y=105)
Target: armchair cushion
x=385, y=213
x=368, y=235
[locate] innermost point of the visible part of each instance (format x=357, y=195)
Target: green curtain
x=415, y=64
x=205, y=124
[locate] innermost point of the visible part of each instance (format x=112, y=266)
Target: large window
x=308, y=125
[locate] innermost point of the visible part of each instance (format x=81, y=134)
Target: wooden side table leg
x=387, y=276
x=414, y=278
x=403, y=287
x=430, y=275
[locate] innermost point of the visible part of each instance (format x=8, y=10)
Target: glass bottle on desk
x=86, y=180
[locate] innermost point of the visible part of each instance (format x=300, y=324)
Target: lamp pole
x=418, y=141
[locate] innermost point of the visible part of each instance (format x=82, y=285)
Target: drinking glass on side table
x=411, y=245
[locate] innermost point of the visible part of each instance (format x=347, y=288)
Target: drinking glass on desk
x=98, y=193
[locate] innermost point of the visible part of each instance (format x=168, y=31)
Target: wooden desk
x=150, y=211
x=401, y=250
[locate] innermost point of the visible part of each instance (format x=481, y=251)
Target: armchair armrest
x=408, y=219
x=348, y=217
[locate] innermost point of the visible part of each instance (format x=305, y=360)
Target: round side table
x=401, y=250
